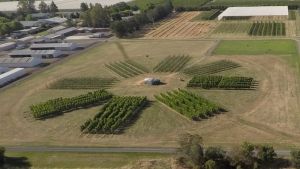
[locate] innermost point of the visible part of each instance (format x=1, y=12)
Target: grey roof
x=51, y=45
x=61, y=32
x=33, y=52
x=55, y=20
x=39, y=15
x=17, y=60
x=29, y=23
x=57, y=28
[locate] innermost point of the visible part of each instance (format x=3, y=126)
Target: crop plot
x=189, y=104
x=268, y=29
x=126, y=68
x=172, y=64
x=211, y=68
x=233, y=28
x=181, y=27
x=114, y=115
x=83, y=83
x=222, y=82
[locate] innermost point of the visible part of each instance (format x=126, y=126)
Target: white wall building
x=254, y=11
x=11, y=75
x=26, y=62
x=54, y=46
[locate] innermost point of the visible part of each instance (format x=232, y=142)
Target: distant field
x=256, y=47
x=252, y=2
x=81, y=160
x=186, y=3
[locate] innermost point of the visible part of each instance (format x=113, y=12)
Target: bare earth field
x=180, y=26
x=269, y=114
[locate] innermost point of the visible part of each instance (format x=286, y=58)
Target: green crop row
x=126, y=68
x=222, y=82
x=211, y=68
x=58, y=106
x=267, y=29
x=189, y=104
x=172, y=64
x=83, y=83
x=118, y=112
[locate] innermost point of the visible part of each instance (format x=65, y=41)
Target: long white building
x=254, y=11
x=26, y=62
x=11, y=75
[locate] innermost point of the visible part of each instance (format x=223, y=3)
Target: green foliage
x=295, y=158
x=114, y=115
x=210, y=15
x=83, y=83
x=210, y=68
x=43, y=7
x=190, y=152
x=292, y=15
x=267, y=29
x=233, y=28
x=172, y=64
x=265, y=153
x=126, y=68
x=210, y=164
x=58, y=106
x=26, y=7
x=96, y=16
x=222, y=82
x=84, y=7
x=53, y=8
x=2, y=155
x=189, y=104
x=7, y=26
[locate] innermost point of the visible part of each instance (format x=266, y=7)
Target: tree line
x=192, y=154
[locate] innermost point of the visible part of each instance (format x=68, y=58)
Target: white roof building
x=36, y=53
x=7, y=46
x=11, y=75
x=255, y=11
x=54, y=46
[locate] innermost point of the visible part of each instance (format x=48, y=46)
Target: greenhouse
x=236, y=12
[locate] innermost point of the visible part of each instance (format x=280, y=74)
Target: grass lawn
x=256, y=47
x=78, y=160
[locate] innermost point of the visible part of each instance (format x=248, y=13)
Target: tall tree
x=84, y=7
x=43, y=7
x=53, y=8
x=26, y=6
x=2, y=151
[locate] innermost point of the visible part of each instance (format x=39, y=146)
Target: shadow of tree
x=16, y=162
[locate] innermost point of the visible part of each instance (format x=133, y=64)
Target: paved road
x=280, y=153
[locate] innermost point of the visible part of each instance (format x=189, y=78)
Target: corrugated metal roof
x=7, y=44
x=61, y=32
x=17, y=60
x=51, y=45
x=10, y=72
x=255, y=11
x=33, y=52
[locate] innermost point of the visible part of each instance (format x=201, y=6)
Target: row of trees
x=189, y=104
x=114, y=115
x=95, y=15
x=26, y=7
x=59, y=105
x=153, y=14
x=192, y=154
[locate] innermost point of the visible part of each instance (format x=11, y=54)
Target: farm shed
x=3, y=69
x=233, y=12
x=62, y=33
x=54, y=46
x=25, y=62
x=31, y=30
x=11, y=75
x=53, y=21
x=36, y=53
x=29, y=24
x=7, y=46
x=151, y=81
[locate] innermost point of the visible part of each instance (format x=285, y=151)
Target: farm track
x=180, y=27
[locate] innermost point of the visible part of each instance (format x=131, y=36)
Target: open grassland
x=268, y=114
x=85, y=160
x=180, y=26
x=229, y=3
x=256, y=47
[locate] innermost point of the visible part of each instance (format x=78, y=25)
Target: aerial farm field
x=266, y=113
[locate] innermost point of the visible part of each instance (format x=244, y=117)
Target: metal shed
x=25, y=62
x=11, y=75
x=54, y=46
x=36, y=53
x=8, y=46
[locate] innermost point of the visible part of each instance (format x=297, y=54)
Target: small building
x=35, y=53
x=151, y=81
x=3, y=69
x=62, y=33
x=25, y=62
x=8, y=46
x=26, y=39
x=11, y=75
x=262, y=11
x=29, y=24
x=54, y=46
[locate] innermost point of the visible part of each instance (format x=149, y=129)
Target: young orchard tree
x=43, y=7
x=84, y=7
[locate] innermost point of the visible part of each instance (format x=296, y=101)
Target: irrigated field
x=180, y=26
x=267, y=114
